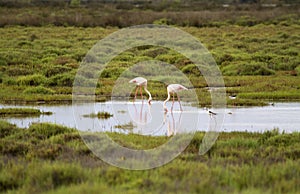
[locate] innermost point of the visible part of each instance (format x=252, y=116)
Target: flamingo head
x=132, y=81
x=165, y=109
x=149, y=100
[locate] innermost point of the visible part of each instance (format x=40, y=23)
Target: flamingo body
x=140, y=82
x=173, y=88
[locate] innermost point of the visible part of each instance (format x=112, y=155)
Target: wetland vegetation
x=42, y=43
x=21, y=112
x=100, y=115
x=51, y=158
x=256, y=67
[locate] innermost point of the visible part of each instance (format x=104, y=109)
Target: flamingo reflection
x=172, y=126
x=142, y=115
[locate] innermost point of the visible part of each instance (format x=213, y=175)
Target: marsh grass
x=51, y=158
x=240, y=52
x=21, y=112
x=100, y=115
x=128, y=126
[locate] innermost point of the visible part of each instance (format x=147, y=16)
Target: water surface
x=141, y=118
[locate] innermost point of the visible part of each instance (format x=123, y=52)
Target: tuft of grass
x=128, y=126
x=38, y=90
x=46, y=130
x=7, y=129
x=100, y=115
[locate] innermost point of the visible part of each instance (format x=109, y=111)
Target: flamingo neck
x=150, y=97
x=167, y=100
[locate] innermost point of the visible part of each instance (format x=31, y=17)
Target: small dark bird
x=212, y=113
x=232, y=97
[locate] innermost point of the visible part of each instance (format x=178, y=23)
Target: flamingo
x=140, y=81
x=173, y=88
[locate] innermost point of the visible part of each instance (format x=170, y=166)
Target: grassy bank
x=21, y=112
x=51, y=158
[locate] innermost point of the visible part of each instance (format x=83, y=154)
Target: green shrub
x=31, y=80
x=114, y=72
x=13, y=148
x=100, y=115
x=297, y=69
x=2, y=75
x=38, y=90
x=48, y=176
x=46, y=130
x=283, y=139
x=65, y=79
x=12, y=177
x=191, y=69
x=267, y=135
x=62, y=60
x=242, y=68
x=9, y=81
x=57, y=69
x=7, y=129
x=19, y=112
x=19, y=70
x=3, y=62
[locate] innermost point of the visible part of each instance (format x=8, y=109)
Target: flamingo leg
x=174, y=126
x=179, y=102
x=173, y=101
x=136, y=91
x=141, y=91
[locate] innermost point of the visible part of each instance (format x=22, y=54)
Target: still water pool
x=139, y=117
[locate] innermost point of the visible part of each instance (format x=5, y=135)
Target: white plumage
x=140, y=82
x=174, y=88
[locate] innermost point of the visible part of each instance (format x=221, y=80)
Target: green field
x=259, y=63
x=54, y=159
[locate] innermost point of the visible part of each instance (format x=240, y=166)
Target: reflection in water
x=151, y=120
x=172, y=126
x=141, y=115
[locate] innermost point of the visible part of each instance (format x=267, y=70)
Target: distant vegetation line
x=124, y=13
x=144, y=4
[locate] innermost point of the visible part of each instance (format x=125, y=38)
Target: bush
x=52, y=175
x=38, y=90
x=65, y=79
x=18, y=70
x=297, y=69
x=112, y=72
x=31, y=80
x=7, y=129
x=191, y=69
x=242, y=68
x=46, y=130
x=1, y=77
x=57, y=69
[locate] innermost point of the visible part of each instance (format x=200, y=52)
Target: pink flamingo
x=173, y=88
x=140, y=82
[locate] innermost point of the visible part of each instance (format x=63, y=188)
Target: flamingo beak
x=149, y=102
x=166, y=110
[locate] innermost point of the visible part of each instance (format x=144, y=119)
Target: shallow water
x=141, y=118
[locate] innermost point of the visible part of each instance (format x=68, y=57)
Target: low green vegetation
x=21, y=112
x=128, y=126
x=100, y=115
x=259, y=63
x=51, y=158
